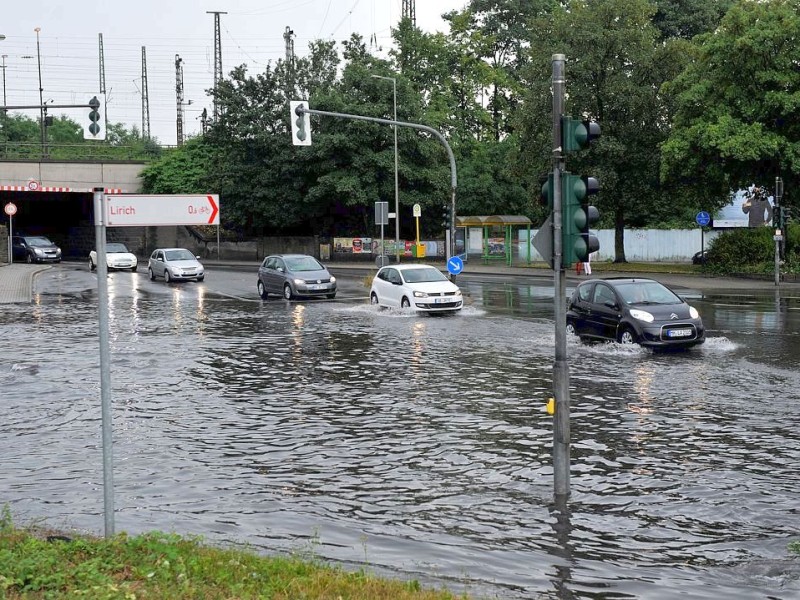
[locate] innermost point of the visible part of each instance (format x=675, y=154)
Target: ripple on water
x=414, y=444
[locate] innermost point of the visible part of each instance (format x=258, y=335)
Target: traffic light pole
x=561, y=431
x=451, y=249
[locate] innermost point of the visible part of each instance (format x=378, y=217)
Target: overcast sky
x=251, y=32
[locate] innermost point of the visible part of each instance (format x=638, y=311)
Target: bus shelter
x=498, y=235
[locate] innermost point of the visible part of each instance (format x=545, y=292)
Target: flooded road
x=414, y=446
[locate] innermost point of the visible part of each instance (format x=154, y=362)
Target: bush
x=745, y=250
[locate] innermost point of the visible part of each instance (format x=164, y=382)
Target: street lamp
x=5, y=102
x=396, y=185
x=41, y=98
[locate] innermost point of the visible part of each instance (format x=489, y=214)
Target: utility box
x=419, y=250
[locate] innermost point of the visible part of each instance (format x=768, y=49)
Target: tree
x=615, y=68
x=735, y=106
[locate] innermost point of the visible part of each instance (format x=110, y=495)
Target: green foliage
x=166, y=566
x=742, y=250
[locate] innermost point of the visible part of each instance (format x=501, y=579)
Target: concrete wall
x=78, y=176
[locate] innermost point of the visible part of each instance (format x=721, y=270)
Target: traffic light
x=95, y=129
x=447, y=216
x=576, y=135
x=301, y=123
x=576, y=217
x=546, y=197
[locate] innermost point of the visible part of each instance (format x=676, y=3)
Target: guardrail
x=19, y=151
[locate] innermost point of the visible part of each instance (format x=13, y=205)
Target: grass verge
x=36, y=563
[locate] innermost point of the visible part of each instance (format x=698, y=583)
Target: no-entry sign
x=129, y=210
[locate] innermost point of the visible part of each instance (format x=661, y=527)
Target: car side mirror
x=280, y=269
x=611, y=304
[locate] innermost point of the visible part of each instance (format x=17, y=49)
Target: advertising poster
x=748, y=208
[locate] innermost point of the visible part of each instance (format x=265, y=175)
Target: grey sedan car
x=175, y=264
x=294, y=276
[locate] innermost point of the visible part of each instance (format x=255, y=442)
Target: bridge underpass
x=56, y=199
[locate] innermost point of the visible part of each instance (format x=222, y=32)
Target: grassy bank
x=36, y=563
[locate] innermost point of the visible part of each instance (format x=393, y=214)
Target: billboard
x=751, y=207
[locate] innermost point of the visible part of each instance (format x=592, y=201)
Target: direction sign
x=130, y=210
x=703, y=218
x=416, y=210
x=455, y=265
x=10, y=209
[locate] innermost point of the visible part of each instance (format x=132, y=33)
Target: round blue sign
x=703, y=218
x=455, y=265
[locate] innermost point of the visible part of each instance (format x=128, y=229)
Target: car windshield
x=113, y=248
x=647, y=292
x=38, y=242
x=179, y=255
x=303, y=263
x=423, y=275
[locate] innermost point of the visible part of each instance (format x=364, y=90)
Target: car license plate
x=441, y=300
x=673, y=333
x=316, y=286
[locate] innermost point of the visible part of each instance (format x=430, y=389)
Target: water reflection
x=418, y=442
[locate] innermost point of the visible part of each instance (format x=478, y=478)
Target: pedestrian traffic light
x=301, y=123
x=95, y=129
x=576, y=217
x=548, y=188
x=576, y=135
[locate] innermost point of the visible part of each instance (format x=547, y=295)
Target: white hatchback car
x=175, y=264
x=421, y=287
x=117, y=257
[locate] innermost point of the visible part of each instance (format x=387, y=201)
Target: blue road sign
x=455, y=265
x=703, y=218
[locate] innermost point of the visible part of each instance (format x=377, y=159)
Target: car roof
x=409, y=266
x=165, y=249
x=289, y=256
x=614, y=281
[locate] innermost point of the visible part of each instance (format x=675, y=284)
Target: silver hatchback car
x=293, y=276
x=175, y=264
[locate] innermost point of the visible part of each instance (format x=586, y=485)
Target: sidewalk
x=16, y=282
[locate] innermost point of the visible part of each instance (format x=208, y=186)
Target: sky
x=252, y=32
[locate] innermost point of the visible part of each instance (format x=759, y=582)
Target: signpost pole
x=10, y=238
x=105, y=361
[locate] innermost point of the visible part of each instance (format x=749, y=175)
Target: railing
x=78, y=152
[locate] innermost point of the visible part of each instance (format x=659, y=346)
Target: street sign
x=543, y=241
x=10, y=209
x=455, y=265
x=131, y=210
x=417, y=210
x=703, y=218
x=381, y=213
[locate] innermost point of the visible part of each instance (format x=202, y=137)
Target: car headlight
x=176, y=270
x=458, y=292
x=420, y=294
x=299, y=282
x=693, y=312
x=642, y=315
x=333, y=279
x=38, y=252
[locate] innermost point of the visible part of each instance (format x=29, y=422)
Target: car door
x=604, y=315
x=275, y=270
x=18, y=248
x=158, y=265
x=580, y=305
x=394, y=288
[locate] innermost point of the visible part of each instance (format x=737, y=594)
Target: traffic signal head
x=546, y=197
x=301, y=123
x=576, y=217
x=447, y=216
x=95, y=129
x=576, y=135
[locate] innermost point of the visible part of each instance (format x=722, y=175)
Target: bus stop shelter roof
x=493, y=220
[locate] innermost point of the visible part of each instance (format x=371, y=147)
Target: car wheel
x=262, y=290
x=404, y=303
x=91, y=265
x=628, y=336
x=287, y=292
x=200, y=278
x=29, y=259
x=151, y=274
x=167, y=276
x=571, y=328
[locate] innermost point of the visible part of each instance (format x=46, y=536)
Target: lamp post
x=41, y=97
x=396, y=184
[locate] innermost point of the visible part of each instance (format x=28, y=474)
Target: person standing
x=757, y=207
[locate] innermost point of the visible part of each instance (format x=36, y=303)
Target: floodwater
x=414, y=446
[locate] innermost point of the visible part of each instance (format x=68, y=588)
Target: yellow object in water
x=551, y=406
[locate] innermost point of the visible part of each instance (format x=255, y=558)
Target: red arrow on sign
x=214, y=209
